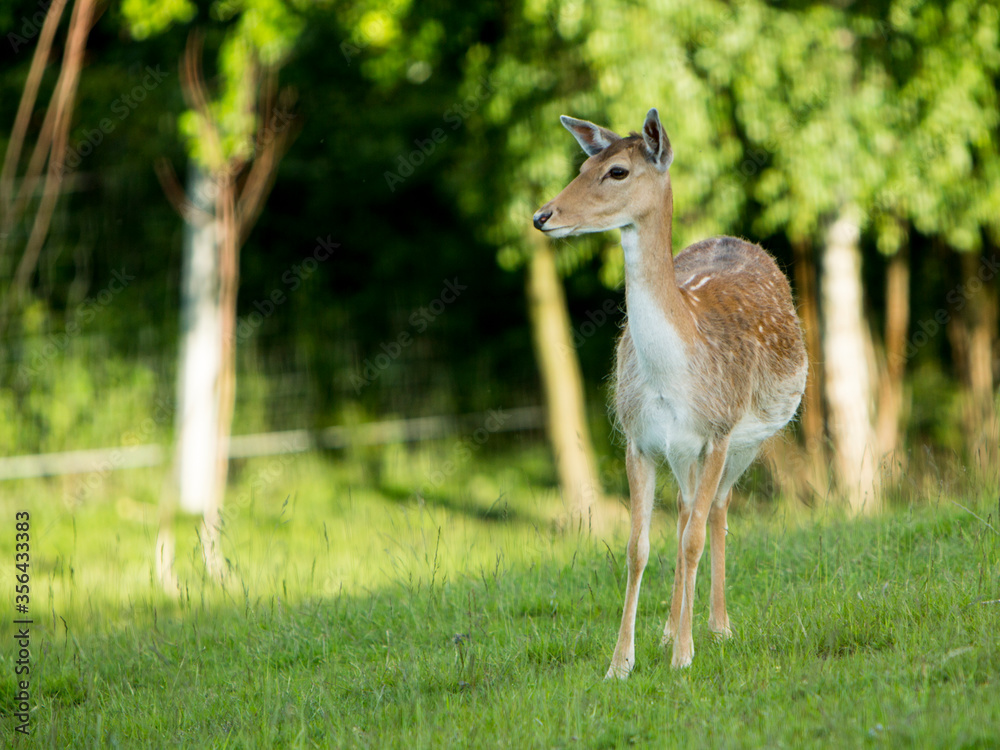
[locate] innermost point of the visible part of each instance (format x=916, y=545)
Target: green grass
x=356, y=615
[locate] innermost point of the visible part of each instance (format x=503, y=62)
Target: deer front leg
x=670, y=630
x=718, y=619
x=641, y=485
x=693, y=545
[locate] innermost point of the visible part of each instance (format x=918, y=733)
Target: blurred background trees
x=858, y=143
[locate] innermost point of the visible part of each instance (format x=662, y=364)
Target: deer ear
x=592, y=138
x=657, y=143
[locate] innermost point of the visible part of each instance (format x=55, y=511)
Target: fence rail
x=272, y=443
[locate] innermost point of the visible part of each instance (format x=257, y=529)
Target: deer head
x=622, y=181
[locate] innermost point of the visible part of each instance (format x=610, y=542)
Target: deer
x=710, y=363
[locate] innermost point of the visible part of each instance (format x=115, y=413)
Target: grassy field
x=356, y=615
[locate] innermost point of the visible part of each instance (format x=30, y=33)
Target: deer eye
x=618, y=173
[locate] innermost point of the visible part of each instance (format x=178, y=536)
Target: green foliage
x=895, y=115
x=258, y=33
x=932, y=132
x=780, y=115
x=539, y=71
x=73, y=393
x=148, y=18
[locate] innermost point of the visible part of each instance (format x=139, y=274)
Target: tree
x=894, y=132
x=17, y=195
x=238, y=139
x=935, y=140
x=808, y=175
x=538, y=73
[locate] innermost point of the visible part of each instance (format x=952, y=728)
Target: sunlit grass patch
x=355, y=614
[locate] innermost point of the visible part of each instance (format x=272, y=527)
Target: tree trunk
x=980, y=322
x=197, y=452
x=890, y=400
x=848, y=356
x=562, y=383
x=198, y=447
x=812, y=402
x=228, y=239
x=219, y=212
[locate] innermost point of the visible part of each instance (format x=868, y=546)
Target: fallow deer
x=710, y=362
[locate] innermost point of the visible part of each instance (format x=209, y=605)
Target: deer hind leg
x=718, y=619
x=693, y=544
x=671, y=628
x=641, y=485
x=736, y=464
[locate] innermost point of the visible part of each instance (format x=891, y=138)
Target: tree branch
x=176, y=194
x=27, y=104
x=69, y=77
x=273, y=140
x=193, y=89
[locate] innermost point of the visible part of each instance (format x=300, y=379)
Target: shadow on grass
x=500, y=511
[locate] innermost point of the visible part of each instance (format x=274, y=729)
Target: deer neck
x=657, y=311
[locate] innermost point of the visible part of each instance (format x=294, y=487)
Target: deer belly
x=756, y=427
x=665, y=430
x=752, y=430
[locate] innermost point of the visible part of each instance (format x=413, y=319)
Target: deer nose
x=541, y=217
